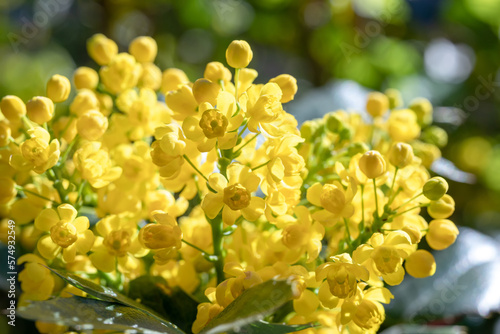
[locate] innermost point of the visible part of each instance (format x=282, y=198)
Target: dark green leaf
x=87, y=313
x=175, y=305
x=252, y=306
x=269, y=328
x=110, y=295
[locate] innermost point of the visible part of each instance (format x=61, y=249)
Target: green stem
x=27, y=122
x=392, y=186
x=408, y=201
x=261, y=165
x=68, y=149
x=243, y=130
x=346, y=223
x=195, y=168
x=376, y=197
x=217, y=241
x=413, y=208
x=245, y=144
x=208, y=256
x=24, y=190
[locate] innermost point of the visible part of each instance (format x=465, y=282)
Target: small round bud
x=5, y=133
x=442, y=233
x=150, y=77
x=58, y=88
x=101, y=49
x=85, y=78
x=377, y=104
x=357, y=147
x=216, y=71
x=414, y=233
x=239, y=54
x=158, y=236
x=403, y=125
x=40, y=109
x=172, y=79
x=144, y=49
x=333, y=122
x=442, y=208
x=309, y=129
x=420, y=264
x=13, y=108
x=288, y=86
x=395, y=98
x=423, y=109
x=372, y=164
x=435, y=135
x=205, y=90
x=400, y=155
x=92, y=125
x=7, y=189
x=435, y=188
x=85, y=100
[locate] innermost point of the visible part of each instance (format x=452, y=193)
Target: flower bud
x=333, y=123
x=402, y=125
x=7, y=190
x=58, y=88
x=288, y=86
x=414, y=233
x=13, y=108
x=372, y=164
x=377, y=104
x=216, y=71
x=150, y=77
x=5, y=133
x=172, y=79
x=239, y=54
x=395, y=98
x=205, y=90
x=400, y=155
x=158, y=236
x=101, y=49
x=85, y=78
x=144, y=49
x=309, y=129
x=435, y=135
x=423, y=109
x=442, y=208
x=85, y=100
x=40, y=109
x=435, y=188
x=420, y=264
x=357, y=147
x=92, y=125
x=442, y=233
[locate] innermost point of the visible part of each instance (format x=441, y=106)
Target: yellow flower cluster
x=213, y=183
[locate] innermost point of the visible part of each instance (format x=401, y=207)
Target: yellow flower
x=377, y=104
x=58, y=88
x=182, y=102
x=215, y=72
x=36, y=281
x=403, y=126
x=383, y=256
x=7, y=190
x=442, y=234
x=263, y=105
x=144, y=49
x=122, y=73
x=118, y=244
x=206, y=312
x=26, y=209
x=91, y=125
x=420, y=264
x=151, y=77
x=288, y=86
x=67, y=233
x=234, y=195
x=164, y=237
x=335, y=201
x=85, y=77
x=36, y=152
x=239, y=54
x=13, y=108
x=168, y=149
x=101, y=49
x=84, y=101
x=341, y=276
x=95, y=165
x=172, y=79
x=40, y=109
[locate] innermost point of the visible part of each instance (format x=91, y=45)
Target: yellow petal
x=212, y=204
x=314, y=194
x=103, y=261
x=217, y=181
x=395, y=278
x=46, y=219
x=81, y=224
x=85, y=242
x=256, y=208
x=47, y=248
x=69, y=253
x=67, y=212
x=382, y=295
x=192, y=129
x=229, y=216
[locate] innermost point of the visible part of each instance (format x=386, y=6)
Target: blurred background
x=445, y=50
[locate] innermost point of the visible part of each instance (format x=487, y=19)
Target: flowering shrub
x=214, y=193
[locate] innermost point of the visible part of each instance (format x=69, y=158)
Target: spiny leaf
x=252, y=306
x=110, y=295
x=87, y=313
x=270, y=328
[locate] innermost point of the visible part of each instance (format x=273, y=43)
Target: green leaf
x=110, y=295
x=252, y=306
x=87, y=313
x=270, y=328
x=174, y=304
